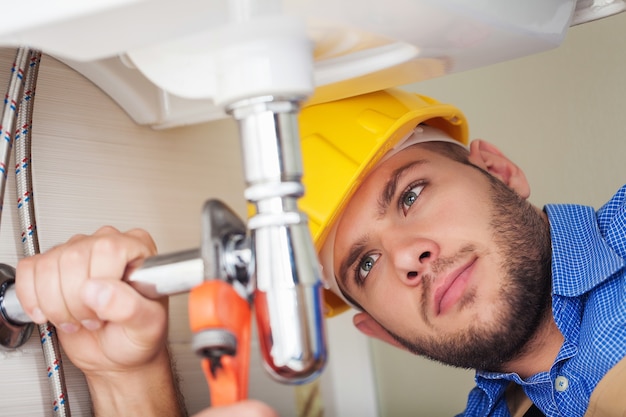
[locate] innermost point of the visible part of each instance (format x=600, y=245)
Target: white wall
x=559, y=115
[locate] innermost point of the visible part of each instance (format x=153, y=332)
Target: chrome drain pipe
x=288, y=297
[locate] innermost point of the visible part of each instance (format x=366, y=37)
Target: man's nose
x=411, y=256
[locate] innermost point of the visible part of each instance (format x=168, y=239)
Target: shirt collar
x=581, y=258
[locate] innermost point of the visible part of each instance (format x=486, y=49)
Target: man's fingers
x=25, y=289
x=73, y=262
x=109, y=245
x=117, y=302
x=49, y=285
x=247, y=408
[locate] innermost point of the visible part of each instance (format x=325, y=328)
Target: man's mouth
x=451, y=287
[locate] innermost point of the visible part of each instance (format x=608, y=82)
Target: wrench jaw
x=220, y=309
x=220, y=320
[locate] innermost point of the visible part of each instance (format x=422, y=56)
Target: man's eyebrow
x=355, y=251
x=389, y=190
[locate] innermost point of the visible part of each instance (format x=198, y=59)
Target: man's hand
x=103, y=324
x=109, y=331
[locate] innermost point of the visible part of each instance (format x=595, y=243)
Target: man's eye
x=365, y=266
x=410, y=196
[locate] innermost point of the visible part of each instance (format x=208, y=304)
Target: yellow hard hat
x=342, y=140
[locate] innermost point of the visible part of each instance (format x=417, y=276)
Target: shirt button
x=561, y=383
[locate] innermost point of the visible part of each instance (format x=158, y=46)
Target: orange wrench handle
x=216, y=305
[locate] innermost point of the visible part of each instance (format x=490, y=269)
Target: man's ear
x=370, y=327
x=488, y=157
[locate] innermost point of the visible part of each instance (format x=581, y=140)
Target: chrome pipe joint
x=15, y=325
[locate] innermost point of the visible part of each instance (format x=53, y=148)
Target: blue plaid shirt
x=589, y=307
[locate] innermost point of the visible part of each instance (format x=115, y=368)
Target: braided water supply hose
x=9, y=115
x=17, y=119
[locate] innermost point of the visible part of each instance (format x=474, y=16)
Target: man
x=433, y=241
x=438, y=248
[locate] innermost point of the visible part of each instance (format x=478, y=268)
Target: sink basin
x=171, y=63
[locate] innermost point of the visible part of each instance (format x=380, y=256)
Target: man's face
x=430, y=248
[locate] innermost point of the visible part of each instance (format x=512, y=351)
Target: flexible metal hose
x=9, y=115
x=23, y=169
x=17, y=118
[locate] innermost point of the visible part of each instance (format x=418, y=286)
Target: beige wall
x=559, y=115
